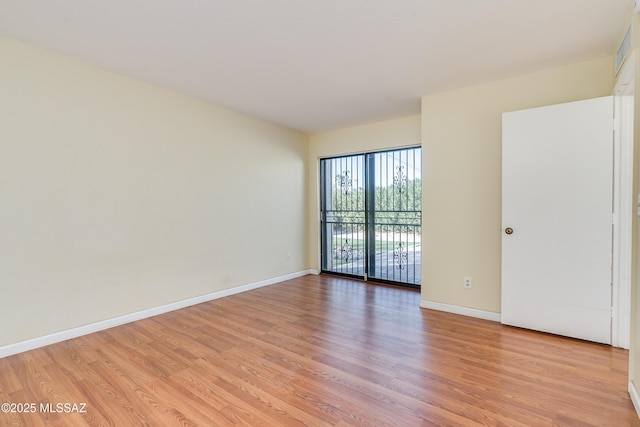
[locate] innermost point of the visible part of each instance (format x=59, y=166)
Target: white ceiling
x=316, y=65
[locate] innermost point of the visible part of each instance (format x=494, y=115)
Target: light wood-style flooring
x=319, y=351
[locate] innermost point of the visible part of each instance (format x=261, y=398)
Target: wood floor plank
x=318, y=351
x=22, y=418
x=243, y=397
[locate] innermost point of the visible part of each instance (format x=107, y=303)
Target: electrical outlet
x=467, y=282
x=288, y=257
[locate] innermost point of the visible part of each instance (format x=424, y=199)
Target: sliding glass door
x=371, y=209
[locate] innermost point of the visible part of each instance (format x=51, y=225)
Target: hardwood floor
x=318, y=350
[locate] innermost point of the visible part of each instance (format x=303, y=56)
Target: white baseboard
x=635, y=397
x=464, y=311
x=31, y=344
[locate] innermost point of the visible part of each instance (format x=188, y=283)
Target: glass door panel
x=343, y=215
x=396, y=216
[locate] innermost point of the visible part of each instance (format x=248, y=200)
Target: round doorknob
x=508, y=230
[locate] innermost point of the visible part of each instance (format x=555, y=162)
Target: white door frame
x=623, y=205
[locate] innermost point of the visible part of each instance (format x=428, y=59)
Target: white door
x=557, y=173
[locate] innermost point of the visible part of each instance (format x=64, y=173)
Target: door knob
x=508, y=230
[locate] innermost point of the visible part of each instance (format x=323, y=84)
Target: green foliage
x=396, y=206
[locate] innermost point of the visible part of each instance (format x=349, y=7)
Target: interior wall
x=402, y=132
x=461, y=133
x=119, y=196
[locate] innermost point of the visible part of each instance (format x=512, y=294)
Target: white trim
x=625, y=46
x=31, y=344
x=635, y=397
x=464, y=311
x=623, y=206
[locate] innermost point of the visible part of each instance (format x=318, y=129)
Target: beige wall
x=118, y=196
x=401, y=132
x=461, y=134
